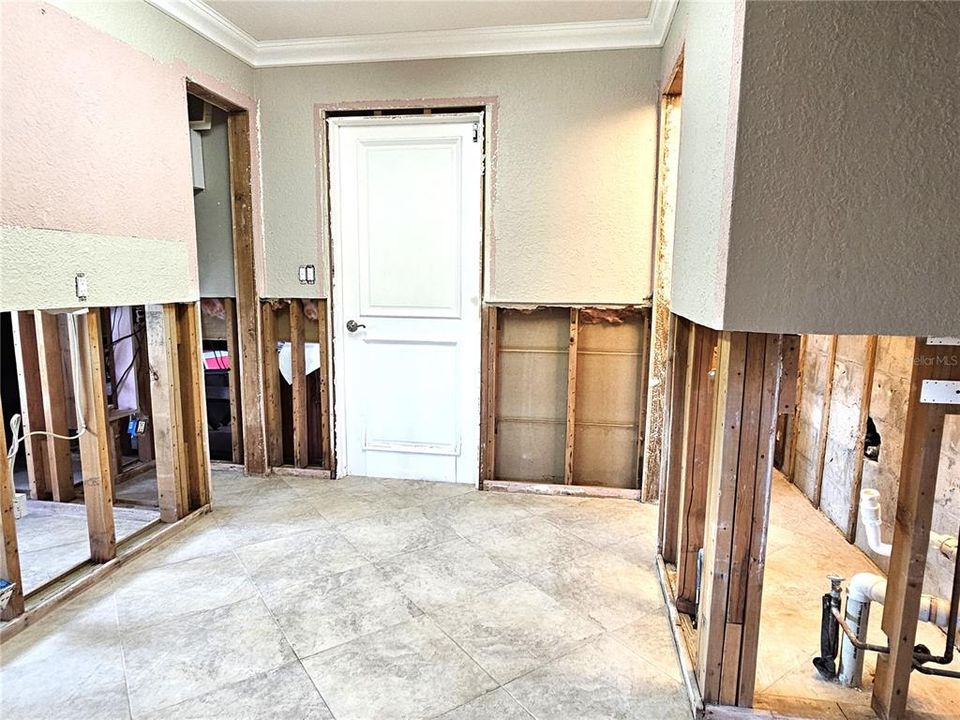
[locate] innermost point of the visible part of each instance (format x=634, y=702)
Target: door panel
x=406, y=220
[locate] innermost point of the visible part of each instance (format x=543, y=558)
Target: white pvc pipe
x=870, y=515
x=864, y=589
x=945, y=545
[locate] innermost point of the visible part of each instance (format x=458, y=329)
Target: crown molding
x=472, y=42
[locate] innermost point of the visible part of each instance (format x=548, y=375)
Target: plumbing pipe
x=946, y=545
x=826, y=663
x=870, y=515
x=864, y=589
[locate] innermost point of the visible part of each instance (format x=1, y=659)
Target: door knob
x=353, y=325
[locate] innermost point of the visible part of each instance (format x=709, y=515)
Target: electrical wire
x=17, y=420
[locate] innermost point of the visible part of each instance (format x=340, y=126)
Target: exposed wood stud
x=696, y=462
x=95, y=442
x=324, y=374
x=648, y=491
x=193, y=405
x=825, y=420
x=10, y=557
x=145, y=450
x=31, y=403
x=59, y=459
x=869, y=365
x=271, y=386
x=298, y=371
x=571, y=396
x=233, y=381
x=248, y=338
x=748, y=385
x=675, y=402
x=488, y=415
x=168, y=433
x=791, y=463
x=535, y=488
x=923, y=437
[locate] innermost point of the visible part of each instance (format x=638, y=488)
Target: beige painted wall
x=573, y=174
x=708, y=34
x=846, y=210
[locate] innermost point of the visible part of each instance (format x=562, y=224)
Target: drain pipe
x=864, y=589
x=946, y=545
x=870, y=515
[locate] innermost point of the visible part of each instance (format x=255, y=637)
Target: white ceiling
x=270, y=33
x=295, y=19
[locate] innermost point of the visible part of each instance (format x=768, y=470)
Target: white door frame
x=331, y=126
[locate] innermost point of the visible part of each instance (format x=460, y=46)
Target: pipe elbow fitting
x=872, y=521
x=867, y=588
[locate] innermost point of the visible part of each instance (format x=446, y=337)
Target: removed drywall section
x=815, y=375
x=572, y=172
x=847, y=156
x=212, y=212
x=609, y=391
x=142, y=26
x=532, y=395
x=709, y=36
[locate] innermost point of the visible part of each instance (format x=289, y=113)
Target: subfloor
x=366, y=599
x=803, y=548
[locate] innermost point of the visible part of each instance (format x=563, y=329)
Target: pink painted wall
x=94, y=141
x=94, y=133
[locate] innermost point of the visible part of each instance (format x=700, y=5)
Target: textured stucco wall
x=212, y=211
x=709, y=34
x=142, y=26
x=573, y=177
x=846, y=210
x=96, y=159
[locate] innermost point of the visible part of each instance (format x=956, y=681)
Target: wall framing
x=544, y=371
x=248, y=356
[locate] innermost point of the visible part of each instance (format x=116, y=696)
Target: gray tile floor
x=366, y=599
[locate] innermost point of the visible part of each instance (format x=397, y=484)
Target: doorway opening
x=222, y=184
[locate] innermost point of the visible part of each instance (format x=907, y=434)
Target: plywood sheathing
x=609, y=391
x=531, y=399
x=852, y=375
x=816, y=372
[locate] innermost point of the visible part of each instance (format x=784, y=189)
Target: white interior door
x=406, y=218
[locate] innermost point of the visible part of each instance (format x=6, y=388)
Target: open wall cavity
x=296, y=385
x=107, y=439
x=566, y=397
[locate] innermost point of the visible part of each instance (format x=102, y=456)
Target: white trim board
x=648, y=32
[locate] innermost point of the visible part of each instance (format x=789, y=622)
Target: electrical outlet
x=81, y=287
